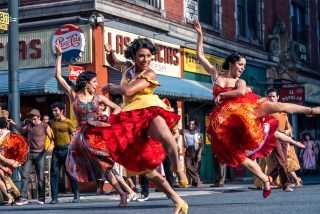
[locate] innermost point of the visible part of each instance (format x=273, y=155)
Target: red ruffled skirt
x=236, y=133
x=17, y=149
x=127, y=139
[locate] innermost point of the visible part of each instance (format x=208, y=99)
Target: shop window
x=209, y=13
x=249, y=21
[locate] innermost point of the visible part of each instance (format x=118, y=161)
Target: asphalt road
x=203, y=200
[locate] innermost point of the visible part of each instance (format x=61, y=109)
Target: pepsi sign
x=72, y=42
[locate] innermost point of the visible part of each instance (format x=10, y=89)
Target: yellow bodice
x=143, y=98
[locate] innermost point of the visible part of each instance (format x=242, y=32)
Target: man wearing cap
x=37, y=132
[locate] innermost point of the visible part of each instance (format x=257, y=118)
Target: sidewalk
x=204, y=189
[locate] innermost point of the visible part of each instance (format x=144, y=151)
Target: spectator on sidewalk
x=37, y=133
x=62, y=129
x=193, y=145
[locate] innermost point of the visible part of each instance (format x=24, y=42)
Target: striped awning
x=32, y=81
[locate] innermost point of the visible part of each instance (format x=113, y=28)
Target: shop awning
x=32, y=81
x=175, y=87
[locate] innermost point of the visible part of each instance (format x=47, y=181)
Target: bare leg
x=162, y=184
x=282, y=137
x=159, y=130
x=113, y=181
x=268, y=108
x=253, y=167
x=130, y=182
x=297, y=180
x=3, y=188
x=124, y=185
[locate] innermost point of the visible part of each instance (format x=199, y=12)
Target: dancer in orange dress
x=87, y=158
x=140, y=137
x=240, y=125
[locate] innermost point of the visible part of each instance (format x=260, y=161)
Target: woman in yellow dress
x=139, y=137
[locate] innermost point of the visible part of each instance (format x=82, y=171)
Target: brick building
x=280, y=38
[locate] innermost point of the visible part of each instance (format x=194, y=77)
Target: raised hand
x=197, y=26
x=58, y=49
x=107, y=48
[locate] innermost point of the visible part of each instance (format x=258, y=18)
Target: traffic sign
x=4, y=18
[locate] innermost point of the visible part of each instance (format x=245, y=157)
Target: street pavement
x=235, y=197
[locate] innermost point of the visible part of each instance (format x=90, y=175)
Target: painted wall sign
x=72, y=42
x=192, y=64
x=292, y=95
x=166, y=62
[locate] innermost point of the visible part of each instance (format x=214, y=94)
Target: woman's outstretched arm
x=200, y=52
x=112, y=59
x=131, y=89
x=62, y=82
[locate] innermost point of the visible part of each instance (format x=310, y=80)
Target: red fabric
x=127, y=139
x=235, y=129
x=17, y=149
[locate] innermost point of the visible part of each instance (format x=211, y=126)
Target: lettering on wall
x=166, y=61
x=31, y=49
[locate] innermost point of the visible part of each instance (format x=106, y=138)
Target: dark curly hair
x=272, y=90
x=58, y=105
x=236, y=56
x=138, y=44
x=3, y=123
x=83, y=79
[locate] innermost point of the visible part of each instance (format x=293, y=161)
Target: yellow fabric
x=4, y=139
x=143, y=98
x=62, y=131
x=48, y=140
x=132, y=173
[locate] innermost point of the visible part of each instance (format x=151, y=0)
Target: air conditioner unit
x=302, y=49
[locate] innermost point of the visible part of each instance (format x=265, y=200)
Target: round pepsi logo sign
x=72, y=42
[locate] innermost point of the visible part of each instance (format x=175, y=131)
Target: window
x=249, y=19
x=154, y=5
x=298, y=24
x=209, y=13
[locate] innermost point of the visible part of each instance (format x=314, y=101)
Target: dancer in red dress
x=140, y=137
x=88, y=159
x=240, y=125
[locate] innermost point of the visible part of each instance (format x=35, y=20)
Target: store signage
x=192, y=64
x=4, y=21
x=292, y=95
x=165, y=62
x=72, y=42
x=35, y=48
x=74, y=72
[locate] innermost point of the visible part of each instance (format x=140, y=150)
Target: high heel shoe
x=10, y=202
x=182, y=182
x=266, y=193
x=132, y=197
x=298, y=183
x=123, y=200
x=184, y=208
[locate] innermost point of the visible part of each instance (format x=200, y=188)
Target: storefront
x=38, y=87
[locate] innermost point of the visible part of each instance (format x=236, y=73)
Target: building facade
x=280, y=38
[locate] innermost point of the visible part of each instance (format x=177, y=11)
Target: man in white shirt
x=193, y=144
